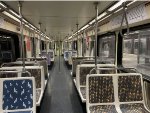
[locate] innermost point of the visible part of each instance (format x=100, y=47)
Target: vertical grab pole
x=96, y=9
x=77, y=39
x=82, y=44
x=46, y=42
x=59, y=53
x=40, y=38
x=22, y=38
x=35, y=47
x=72, y=42
x=68, y=43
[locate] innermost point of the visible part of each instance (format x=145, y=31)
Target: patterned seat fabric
x=83, y=92
x=75, y=62
x=133, y=108
x=7, y=74
x=16, y=64
x=103, y=109
x=84, y=71
x=17, y=94
x=36, y=73
x=111, y=71
x=130, y=88
x=101, y=89
x=44, y=64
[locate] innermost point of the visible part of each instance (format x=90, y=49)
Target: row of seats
x=49, y=55
x=37, y=69
x=109, y=89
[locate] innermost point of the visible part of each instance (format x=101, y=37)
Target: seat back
x=35, y=71
x=32, y=59
x=11, y=64
x=100, y=95
x=18, y=95
x=127, y=88
x=84, y=69
x=31, y=63
x=76, y=61
x=38, y=73
x=130, y=93
x=9, y=74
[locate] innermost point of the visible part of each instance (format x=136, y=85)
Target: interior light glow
x=3, y=5
x=116, y=5
x=105, y=18
x=27, y=26
x=25, y=21
x=131, y=2
x=11, y=16
x=32, y=26
x=14, y=13
x=101, y=15
x=70, y=37
x=118, y=10
x=84, y=27
x=92, y=21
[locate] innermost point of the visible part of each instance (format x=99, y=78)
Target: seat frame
x=77, y=79
x=43, y=85
x=115, y=85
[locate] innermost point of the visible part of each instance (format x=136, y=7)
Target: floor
x=61, y=95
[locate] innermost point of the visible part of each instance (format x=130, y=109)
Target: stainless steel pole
x=96, y=9
x=40, y=38
x=22, y=38
x=59, y=53
x=77, y=40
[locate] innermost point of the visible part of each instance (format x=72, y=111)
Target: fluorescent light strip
x=3, y=5
x=105, y=18
x=25, y=21
x=32, y=26
x=11, y=16
x=101, y=15
x=131, y=2
x=14, y=13
x=116, y=5
x=118, y=10
x=27, y=26
x=92, y=21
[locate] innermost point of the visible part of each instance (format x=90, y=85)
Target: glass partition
x=107, y=50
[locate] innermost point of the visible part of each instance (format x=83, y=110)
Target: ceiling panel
x=59, y=18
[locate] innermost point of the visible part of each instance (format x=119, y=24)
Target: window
x=107, y=49
x=138, y=54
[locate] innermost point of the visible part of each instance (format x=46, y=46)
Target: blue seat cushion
x=17, y=94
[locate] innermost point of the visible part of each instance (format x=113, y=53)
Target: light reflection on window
x=107, y=49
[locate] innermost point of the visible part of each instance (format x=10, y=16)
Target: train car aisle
x=61, y=95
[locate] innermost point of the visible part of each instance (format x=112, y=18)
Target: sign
x=28, y=44
x=134, y=15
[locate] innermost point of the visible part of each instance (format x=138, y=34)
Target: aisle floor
x=61, y=95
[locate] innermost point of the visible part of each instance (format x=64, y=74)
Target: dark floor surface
x=61, y=95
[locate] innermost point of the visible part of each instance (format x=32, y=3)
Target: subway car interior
x=75, y=56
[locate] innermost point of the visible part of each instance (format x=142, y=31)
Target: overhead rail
x=15, y=16
x=104, y=15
